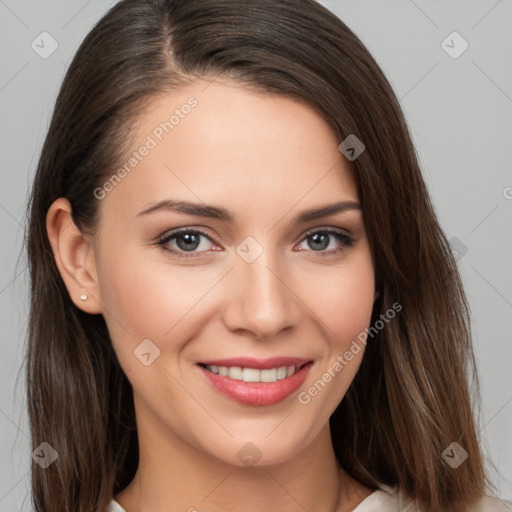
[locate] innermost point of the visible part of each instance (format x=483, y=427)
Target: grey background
x=459, y=113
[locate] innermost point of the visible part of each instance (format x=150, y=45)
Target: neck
x=176, y=475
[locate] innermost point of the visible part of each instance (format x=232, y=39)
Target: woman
x=306, y=344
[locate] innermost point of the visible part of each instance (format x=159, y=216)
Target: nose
x=261, y=302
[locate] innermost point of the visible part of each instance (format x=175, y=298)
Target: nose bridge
x=262, y=302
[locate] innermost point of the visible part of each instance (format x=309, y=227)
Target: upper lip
x=260, y=364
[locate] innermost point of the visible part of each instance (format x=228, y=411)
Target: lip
x=258, y=393
x=258, y=364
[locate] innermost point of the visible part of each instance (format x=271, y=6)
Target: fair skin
x=265, y=158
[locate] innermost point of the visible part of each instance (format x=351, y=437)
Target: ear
x=74, y=256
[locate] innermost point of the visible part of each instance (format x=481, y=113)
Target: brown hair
x=411, y=396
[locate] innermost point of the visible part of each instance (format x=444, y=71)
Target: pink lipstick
x=256, y=382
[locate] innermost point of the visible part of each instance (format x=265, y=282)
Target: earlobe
x=74, y=256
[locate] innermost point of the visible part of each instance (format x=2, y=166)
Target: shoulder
x=389, y=498
x=492, y=504
x=115, y=507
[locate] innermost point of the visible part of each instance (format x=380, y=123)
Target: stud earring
x=83, y=296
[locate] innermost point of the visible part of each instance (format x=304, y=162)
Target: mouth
x=256, y=382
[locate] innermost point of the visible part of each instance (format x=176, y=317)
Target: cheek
x=143, y=297
x=344, y=305
x=139, y=300
x=342, y=298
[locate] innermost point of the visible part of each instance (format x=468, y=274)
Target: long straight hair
x=411, y=397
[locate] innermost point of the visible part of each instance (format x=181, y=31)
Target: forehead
x=222, y=143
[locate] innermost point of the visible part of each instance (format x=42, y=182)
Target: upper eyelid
x=326, y=228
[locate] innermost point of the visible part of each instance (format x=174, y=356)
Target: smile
x=256, y=386
x=253, y=374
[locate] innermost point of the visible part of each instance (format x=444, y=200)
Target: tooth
x=253, y=374
x=268, y=375
x=235, y=372
x=281, y=372
x=250, y=375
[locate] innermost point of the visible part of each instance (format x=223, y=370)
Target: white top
x=387, y=499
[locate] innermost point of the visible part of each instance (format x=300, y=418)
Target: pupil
x=315, y=238
x=189, y=238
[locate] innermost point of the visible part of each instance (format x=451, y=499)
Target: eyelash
x=346, y=241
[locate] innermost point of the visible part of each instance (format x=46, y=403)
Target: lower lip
x=257, y=393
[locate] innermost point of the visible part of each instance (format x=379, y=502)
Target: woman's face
x=258, y=285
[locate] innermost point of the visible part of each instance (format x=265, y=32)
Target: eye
x=320, y=239
x=187, y=241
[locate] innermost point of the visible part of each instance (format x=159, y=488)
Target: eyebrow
x=217, y=212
